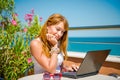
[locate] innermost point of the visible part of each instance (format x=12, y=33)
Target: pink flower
x=29, y=60
x=32, y=11
x=15, y=14
x=40, y=19
x=14, y=22
x=29, y=17
x=25, y=30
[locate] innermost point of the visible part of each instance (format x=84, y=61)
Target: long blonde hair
x=53, y=20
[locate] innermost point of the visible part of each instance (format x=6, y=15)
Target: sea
x=84, y=44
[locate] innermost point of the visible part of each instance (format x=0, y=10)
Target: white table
x=94, y=77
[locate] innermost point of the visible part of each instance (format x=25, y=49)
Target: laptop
x=90, y=65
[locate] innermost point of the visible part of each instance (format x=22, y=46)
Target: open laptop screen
x=93, y=61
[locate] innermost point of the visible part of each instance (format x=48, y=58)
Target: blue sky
x=79, y=13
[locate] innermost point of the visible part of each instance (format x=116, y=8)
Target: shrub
x=15, y=55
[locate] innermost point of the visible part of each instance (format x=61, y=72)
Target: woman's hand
x=70, y=66
x=51, y=38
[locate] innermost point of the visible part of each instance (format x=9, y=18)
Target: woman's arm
x=49, y=64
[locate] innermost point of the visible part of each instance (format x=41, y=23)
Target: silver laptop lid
x=93, y=61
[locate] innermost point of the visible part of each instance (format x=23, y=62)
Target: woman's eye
x=62, y=32
x=58, y=29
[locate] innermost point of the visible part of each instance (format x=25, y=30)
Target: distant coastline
x=95, y=27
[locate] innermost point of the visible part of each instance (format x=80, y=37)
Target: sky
x=79, y=13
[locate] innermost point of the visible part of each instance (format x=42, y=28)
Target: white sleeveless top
x=39, y=69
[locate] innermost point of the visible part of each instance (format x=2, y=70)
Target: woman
x=49, y=48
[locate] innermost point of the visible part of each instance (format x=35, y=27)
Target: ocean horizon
x=84, y=44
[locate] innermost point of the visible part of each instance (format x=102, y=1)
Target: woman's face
x=56, y=30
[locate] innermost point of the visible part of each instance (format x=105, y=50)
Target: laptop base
x=75, y=76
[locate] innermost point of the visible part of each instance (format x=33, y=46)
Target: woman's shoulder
x=35, y=42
